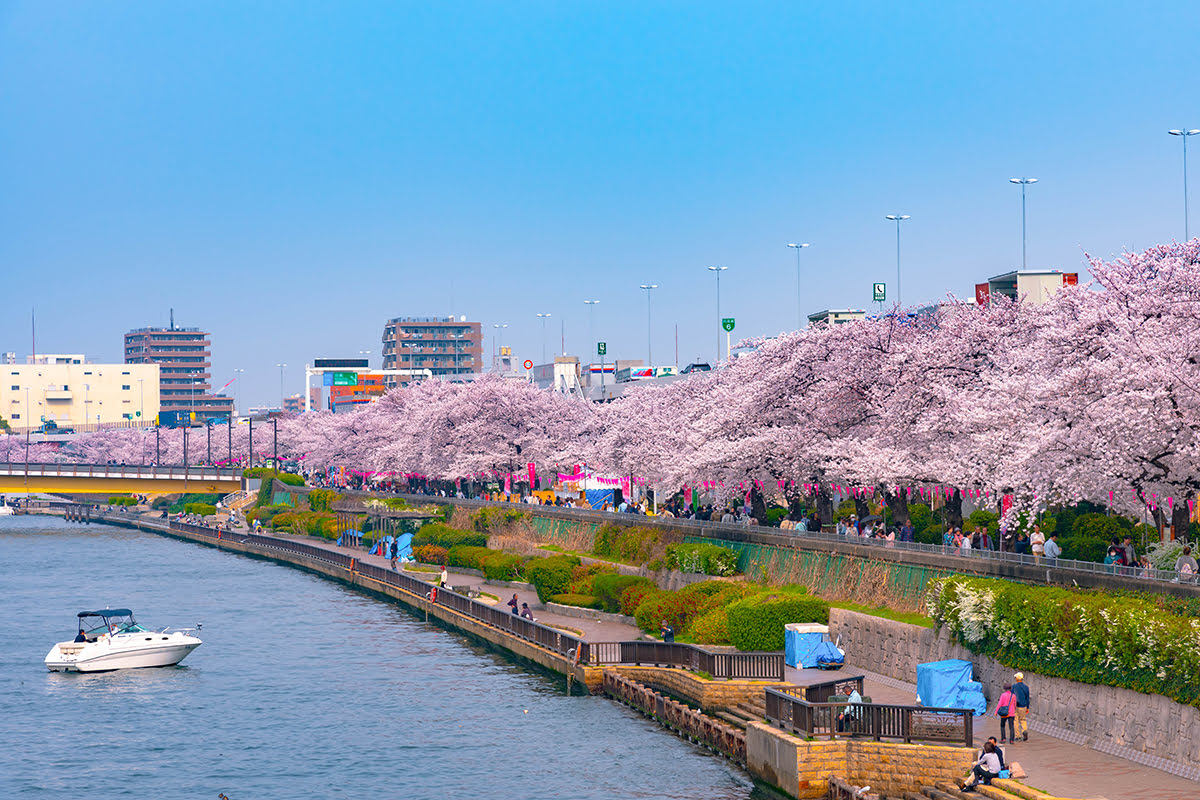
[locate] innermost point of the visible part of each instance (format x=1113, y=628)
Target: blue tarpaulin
x=807, y=646
x=598, y=497
x=948, y=684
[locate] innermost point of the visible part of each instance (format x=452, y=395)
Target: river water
x=301, y=689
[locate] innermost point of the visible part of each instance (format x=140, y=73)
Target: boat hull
x=106, y=656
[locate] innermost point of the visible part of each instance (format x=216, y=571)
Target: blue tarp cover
x=598, y=497
x=808, y=649
x=948, y=684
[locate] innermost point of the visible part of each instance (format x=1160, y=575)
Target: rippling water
x=301, y=689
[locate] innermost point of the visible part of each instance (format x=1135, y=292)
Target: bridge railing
x=877, y=721
x=136, y=471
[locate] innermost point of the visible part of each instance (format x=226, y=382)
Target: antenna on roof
x=172, y=319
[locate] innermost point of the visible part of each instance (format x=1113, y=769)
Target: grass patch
x=551, y=547
x=489, y=594
x=420, y=568
x=910, y=617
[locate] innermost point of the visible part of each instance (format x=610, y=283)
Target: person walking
x=1185, y=565
x=1053, y=551
x=1021, y=694
x=1037, y=544
x=1006, y=710
x=443, y=577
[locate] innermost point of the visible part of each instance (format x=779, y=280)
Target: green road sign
x=345, y=379
x=138, y=413
x=879, y=292
x=727, y=324
x=601, y=348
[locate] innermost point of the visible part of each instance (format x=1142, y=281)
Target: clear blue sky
x=288, y=175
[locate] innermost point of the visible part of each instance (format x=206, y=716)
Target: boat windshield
x=116, y=620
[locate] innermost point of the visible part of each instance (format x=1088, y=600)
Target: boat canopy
x=106, y=613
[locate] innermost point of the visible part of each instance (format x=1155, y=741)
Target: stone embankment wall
x=802, y=768
x=1148, y=729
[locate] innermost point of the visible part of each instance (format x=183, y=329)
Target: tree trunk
x=758, y=506
x=1180, y=518
x=825, y=505
x=952, y=510
x=861, y=507
x=897, y=505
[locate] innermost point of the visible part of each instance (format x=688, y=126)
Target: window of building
x=16, y=388
x=16, y=416
x=125, y=387
x=87, y=373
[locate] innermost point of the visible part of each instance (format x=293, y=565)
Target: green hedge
x=200, y=509
x=469, y=556
x=503, y=566
x=430, y=554
x=711, y=627
x=493, y=519
x=702, y=558
x=551, y=575
x=609, y=588
x=322, y=499
x=756, y=622
x=680, y=608
x=442, y=535
x=122, y=501
x=1093, y=637
x=288, y=479
x=580, y=600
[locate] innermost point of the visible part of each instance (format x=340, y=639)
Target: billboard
x=340, y=363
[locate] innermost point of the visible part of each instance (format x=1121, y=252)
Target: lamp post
x=497, y=343
x=238, y=378
x=1023, y=182
x=543, y=318
x=282, y=367
x=1184, y=134
x=649, y=339
x=799, y=313
x=591, y=304
x=897, y=218
x=718, y=271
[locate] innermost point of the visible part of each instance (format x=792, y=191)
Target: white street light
x=897, y=218
x=799, y=313
x=282, y=367
x=649, y=341
x=1024, y=182
x=543, y=318
x=496, y=342
x=1184, y=134
x=718, y=271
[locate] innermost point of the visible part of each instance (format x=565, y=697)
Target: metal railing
x=736, y=666
x=875, y=720
x=873, y=548
x=119, y=471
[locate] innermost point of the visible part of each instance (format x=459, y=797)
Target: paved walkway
x=1054, y=765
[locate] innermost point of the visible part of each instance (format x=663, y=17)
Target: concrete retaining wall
x=1148, y=729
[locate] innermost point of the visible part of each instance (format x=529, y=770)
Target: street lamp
x=1024, y=182
x=239, y=390
x=649, y=341
x=897, y=218
x=543, y=318
x=1184, y=134
x=282, y=367
x=497, y=339
x=799, y=313
x=718, y=271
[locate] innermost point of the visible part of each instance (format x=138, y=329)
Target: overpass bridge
x=16, y=477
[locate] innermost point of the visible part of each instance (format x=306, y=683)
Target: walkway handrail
x=875, y=720
x=767, y=666
x=66, y=470
x=1015, y=565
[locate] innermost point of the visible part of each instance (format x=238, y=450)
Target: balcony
x=58, y=394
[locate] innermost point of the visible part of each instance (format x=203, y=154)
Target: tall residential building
x=78, y=395
x=446, y=346
x=183, y=357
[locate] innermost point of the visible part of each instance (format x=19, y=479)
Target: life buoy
x=433, y=594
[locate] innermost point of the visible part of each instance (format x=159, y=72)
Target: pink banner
x=532, y=476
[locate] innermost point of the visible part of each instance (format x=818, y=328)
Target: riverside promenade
x=1056, y=766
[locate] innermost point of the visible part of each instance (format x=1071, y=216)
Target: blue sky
x=289, y=175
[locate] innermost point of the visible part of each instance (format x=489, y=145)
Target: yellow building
x=73, y=395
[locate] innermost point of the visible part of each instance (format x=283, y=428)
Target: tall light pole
x=282, y=367
x=897, y=218
x=591, y=304
x=497, y=343
x=799, y=313
x=649, y=339
x=1184, y=134
x=718, y=271
x=239, y=390
x=543, y=318
x=1024, y=182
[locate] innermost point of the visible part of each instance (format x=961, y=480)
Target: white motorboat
x=112, y=639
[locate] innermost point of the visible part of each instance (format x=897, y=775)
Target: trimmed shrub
x=437, y=533
x=122, y=501
x=498, y=566
x=756, y=622
x=702, y=558
x=200, y=509
x=430, y=554
x=467, y=556
x=580, y=600
x=676, y=608
x=711, y=627
x=633, y=596
x=493, y=519
x=322, y=499
x=551, y=575
x=584, y=576
x=288, y=479
x=1093, y=637
x=609, y=588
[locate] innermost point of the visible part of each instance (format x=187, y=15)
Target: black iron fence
x=741, y=666
x=874, y=720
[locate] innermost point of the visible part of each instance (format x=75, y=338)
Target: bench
x=470, y=591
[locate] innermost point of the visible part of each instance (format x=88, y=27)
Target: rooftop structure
x=1034, y=285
